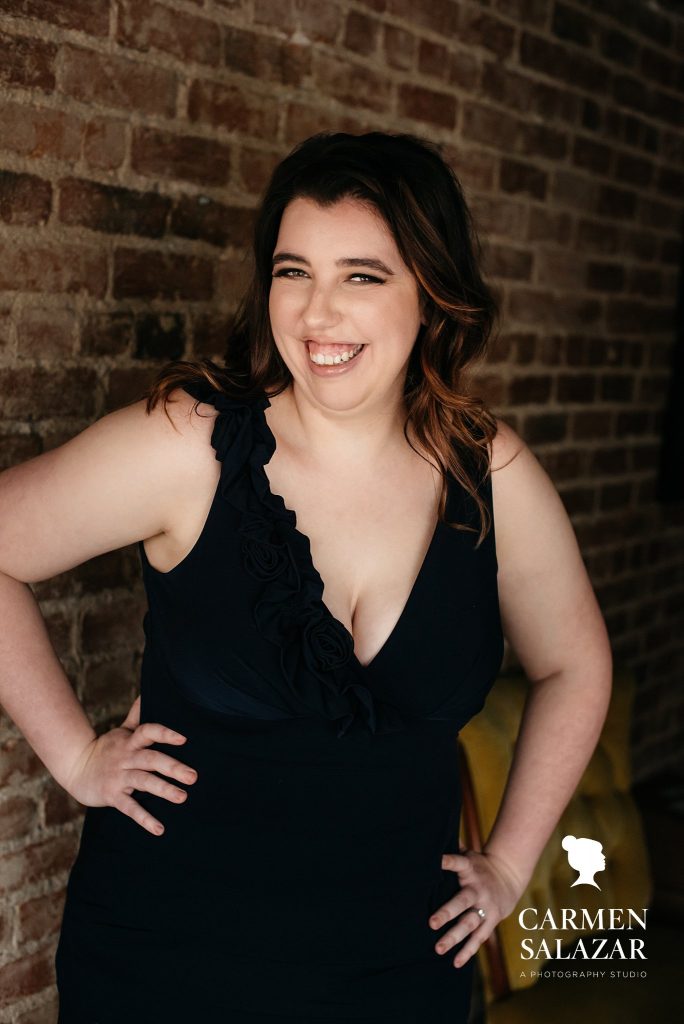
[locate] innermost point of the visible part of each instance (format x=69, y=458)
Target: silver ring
x=480, y=912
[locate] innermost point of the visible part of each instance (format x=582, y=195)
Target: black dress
x=295, y=882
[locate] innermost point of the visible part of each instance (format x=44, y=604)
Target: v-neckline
x=278, y=498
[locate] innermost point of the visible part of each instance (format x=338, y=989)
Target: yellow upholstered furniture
x=602, y=809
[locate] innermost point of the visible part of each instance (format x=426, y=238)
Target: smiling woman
x=327, y=604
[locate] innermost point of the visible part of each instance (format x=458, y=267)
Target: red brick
x=575, y=190
x=159, y=336
x=530, y=390
x=36, y=393
x=509, y=261
x=280, y=15
x=617, y=46
x=597, y=236
x=204, y=218
x=474, y=168
x=230, y=108
x=658, y=67
x=572, y=25
x=24, y=198
x=161, y=154
x=526, y=12
x=546, y=225
x=540, y=140
x=140, y=273
x=43, y=268
x=18, y=761
x=361, y=33
x=528, y=95
x=269, y=60
x=616, y=202
x=499, y=215
x=591, y=155
x=632, y=316
x=635, y=170
x=463, y=70
x=399, y=47
x=40, y=132
x=433, y=58
x=255, y=167
x=440, y=16
x=518, y=177
x=319, y=20
x=18, y=816
x=426, y=104
x=91, y=16
x=104, y=144
x=354, y=85
x=112, y=209
x=561, y=268
x=301, y=121
x=486, y=124
x=144, y=26
x=210, y=333
x=40, y=917
x=46, y=333
x=117, y=82
x=537, y=307
x=27, y=62
x=477, y=28
x=26, y=976
x=566, y=64
x=108, y=334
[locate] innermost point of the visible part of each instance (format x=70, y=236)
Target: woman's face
x=325, y=306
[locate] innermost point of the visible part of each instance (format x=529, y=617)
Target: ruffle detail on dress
x=317, y=656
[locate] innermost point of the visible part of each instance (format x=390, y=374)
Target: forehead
x=323, y=226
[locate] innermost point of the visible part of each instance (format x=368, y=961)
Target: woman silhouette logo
x=585, y=856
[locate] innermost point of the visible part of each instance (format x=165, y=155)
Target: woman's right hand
x=119, y=761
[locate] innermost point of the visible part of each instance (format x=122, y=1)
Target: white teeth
x=342, y=357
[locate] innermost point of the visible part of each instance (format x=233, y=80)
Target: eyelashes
x=296, y=270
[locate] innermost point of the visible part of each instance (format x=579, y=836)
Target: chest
x=369, y=536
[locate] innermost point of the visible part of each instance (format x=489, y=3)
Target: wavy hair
x=405, y=179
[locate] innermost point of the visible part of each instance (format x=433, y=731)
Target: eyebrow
x=346, y=261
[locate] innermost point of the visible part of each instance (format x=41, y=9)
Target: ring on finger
x=480, y=912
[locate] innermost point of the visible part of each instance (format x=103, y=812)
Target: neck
x=346, y=438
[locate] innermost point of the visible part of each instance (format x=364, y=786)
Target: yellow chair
x=603, y=809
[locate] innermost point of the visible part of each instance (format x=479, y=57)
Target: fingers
x=463, y=899
x=127, y=805
x=153, y=732
x=470, y=926
x=155, y=761
x=145, y=782
x=132, y=719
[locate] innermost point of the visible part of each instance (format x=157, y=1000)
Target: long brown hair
x=417, y=193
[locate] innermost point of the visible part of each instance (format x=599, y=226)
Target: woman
x=324, y=615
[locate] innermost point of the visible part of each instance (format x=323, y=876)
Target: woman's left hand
x=487, y=883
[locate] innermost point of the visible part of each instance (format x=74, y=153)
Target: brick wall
x=135, y=138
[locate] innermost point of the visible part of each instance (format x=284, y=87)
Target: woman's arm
x=121, y=480
x=552, y=620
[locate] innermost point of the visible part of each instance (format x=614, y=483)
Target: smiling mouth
x=332, y=355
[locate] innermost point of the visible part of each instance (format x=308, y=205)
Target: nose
x=319, y=310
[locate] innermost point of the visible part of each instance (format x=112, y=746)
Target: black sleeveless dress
x=296, y=881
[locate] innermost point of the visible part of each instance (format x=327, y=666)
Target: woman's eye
x=296, y=270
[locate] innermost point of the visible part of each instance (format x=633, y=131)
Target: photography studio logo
x=586, y=858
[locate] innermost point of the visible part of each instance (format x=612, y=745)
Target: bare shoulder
x=118, y=481
x=505, y=445
x=549, y=610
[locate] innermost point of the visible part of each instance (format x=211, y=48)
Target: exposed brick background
x=135, y=139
